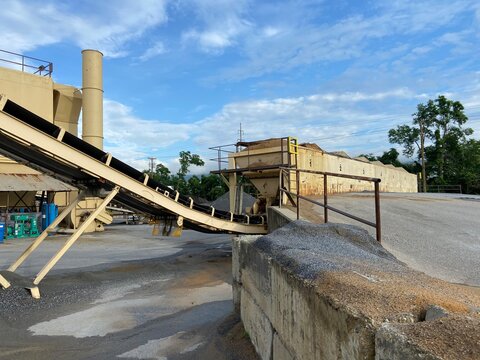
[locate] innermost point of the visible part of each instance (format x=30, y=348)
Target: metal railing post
x=280, y=186
x=298, y=193
x=325, y=199
x=378, y=224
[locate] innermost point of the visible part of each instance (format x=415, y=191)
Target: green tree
x=186, y=160
x=162, y=174
x=448, y=133
x=440, y=122
x=413, y=137
x=369, y=156
x=212, y=187
x=390, y=157
x=469, y=166
x=207, y=187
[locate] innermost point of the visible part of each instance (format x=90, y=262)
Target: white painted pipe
x=92, y=93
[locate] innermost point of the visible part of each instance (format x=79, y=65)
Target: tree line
x=441, y=144
x=207, y=187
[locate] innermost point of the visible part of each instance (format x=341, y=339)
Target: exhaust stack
x=92, y=92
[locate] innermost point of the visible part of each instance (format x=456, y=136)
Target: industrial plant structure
x=272, y=163
x=38, y=136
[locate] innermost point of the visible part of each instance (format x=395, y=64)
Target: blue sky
x=182, y=75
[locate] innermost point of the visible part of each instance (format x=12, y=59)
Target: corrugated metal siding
x=30, y=182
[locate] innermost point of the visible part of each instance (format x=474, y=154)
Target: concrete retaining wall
x=288, y=314
x=278, y=217
x=278, y=308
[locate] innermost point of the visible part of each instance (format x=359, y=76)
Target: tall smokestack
x=92, y=93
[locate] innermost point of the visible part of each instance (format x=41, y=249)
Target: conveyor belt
x=39, y=144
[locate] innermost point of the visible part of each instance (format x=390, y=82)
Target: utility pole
x=240, y=134
x=152, y=165
x=240, y=137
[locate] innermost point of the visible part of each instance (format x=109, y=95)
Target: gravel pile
x=309, y=249
x=346, y=264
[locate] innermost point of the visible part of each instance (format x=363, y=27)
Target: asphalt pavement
x=127, y=294
x=438, y=234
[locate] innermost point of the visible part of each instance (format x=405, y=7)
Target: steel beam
x=68, y=244
x=44, y=234
x=4, y=282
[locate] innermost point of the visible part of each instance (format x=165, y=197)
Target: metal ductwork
x=92, y=92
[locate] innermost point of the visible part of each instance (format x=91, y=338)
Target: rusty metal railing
x=377, y=224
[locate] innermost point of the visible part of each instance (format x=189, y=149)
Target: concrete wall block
x=292, y=313
x=256, y=278
x=257, y=326
x=312, y=327
x=236, y=292
x=391, y=344
x=240, y=247
x=280, y=351
x=278, y=217
x=340, y=334
x=236, y=245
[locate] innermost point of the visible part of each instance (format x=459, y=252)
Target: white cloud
x=303, y=42
x=133, y=139
x=270, y=31
x=157, y=49
x=26, y=25
x=222, y=22
x=334, y=120
x=402, y=93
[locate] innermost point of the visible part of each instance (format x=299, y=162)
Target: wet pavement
x=175, y=303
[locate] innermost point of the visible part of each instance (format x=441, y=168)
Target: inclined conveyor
x=41, y=145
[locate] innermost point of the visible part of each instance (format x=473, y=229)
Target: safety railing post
x=378, y=224
x=280, y=186
x=325, y=199
x=298, y=193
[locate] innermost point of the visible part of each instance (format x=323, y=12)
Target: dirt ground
x=176, y=304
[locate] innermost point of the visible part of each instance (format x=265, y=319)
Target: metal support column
x=49, y=265
x=298, y=193
x=44, y=234
x=325, y=199
x=4, y=282
x=378, y=224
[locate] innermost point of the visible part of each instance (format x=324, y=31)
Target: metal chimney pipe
x=92, y=93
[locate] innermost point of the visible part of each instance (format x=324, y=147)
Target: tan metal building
x=27, y=81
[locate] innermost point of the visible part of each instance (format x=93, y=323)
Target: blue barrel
x=45, y=219
x=2, y=232
x=52, y=213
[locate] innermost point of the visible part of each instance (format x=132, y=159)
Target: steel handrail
x=377, y=224
x=44, y=65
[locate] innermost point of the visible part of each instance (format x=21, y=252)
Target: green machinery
x=24, y=226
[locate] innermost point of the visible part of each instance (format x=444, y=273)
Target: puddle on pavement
x=179, y=343
x=112, y=312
